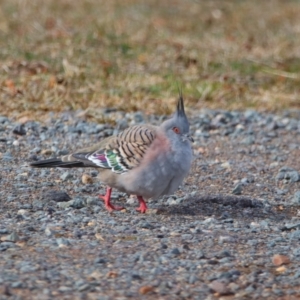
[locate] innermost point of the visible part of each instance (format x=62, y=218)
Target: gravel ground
x=232, y=231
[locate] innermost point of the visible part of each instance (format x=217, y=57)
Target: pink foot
x=143, y=206
x=106, y=199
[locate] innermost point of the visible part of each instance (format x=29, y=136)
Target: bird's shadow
x=229, y=206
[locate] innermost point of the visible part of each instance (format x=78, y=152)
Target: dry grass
x=129, y=54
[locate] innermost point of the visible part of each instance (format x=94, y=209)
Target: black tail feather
x=56, y=163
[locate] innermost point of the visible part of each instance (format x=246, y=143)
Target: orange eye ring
x=176, y=130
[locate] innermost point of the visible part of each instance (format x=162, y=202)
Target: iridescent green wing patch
x=109, y=159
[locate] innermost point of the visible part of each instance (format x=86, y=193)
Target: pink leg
x=143, y=206
x=106, y=199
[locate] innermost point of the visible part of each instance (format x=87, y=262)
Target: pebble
x=289, y=226
x=57, y=196
x=61, y=152
x=288, y=174
x=172, y=201
x=175, y=252
x=209, y=221
x=16, y=143
x=281, y=269
x=7, y=157
x=46, y=151
x=219, y=288
x=19, y=130
x=143, y=290
x=279, y=260
x=237, y=190
x=93, y=201
x=3, y=230
x=23, y=212
x=87, y=179
x=62, y=242
x=65, y=289
x=49, y=231
x=13, y=237
x=295, y=235
x=226, y=239
x=36, y=150
x=296, y=198
x=17, y=285
x=66, y=176
x=4, y=120
x=78, y=203
x=4, y=245
x=64, y=205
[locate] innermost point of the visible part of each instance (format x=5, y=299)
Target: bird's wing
x=119, y=153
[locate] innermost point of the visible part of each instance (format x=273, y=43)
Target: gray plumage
x=144, y=160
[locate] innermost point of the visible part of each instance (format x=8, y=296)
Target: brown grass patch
x=130, y=54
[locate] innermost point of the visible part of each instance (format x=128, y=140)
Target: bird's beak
x=189, y=137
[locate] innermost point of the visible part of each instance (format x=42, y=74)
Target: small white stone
x=226, y=165
x=49, y=231
x=274, y=164
x=132, y=199
x=254, y=225
x=25, y=174
x=23, y=212
x=16, y=143
x=208, y=221
x=171, y=201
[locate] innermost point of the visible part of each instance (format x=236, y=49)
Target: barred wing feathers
x=122, y=152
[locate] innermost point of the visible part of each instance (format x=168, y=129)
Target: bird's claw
x=141, y=210
x=110, y=207
x=143, y=206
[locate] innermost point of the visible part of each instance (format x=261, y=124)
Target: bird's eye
x=176, y=130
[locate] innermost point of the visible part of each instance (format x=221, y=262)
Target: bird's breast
x=160, y=172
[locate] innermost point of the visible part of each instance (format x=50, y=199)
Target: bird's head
x=178, y=126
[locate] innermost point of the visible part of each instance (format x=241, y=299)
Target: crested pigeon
x=143, y=160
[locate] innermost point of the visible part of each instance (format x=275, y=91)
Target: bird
x=143, y=160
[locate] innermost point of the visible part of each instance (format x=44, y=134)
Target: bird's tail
x=56, y=163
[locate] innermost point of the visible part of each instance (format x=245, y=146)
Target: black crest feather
x=180, y=105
